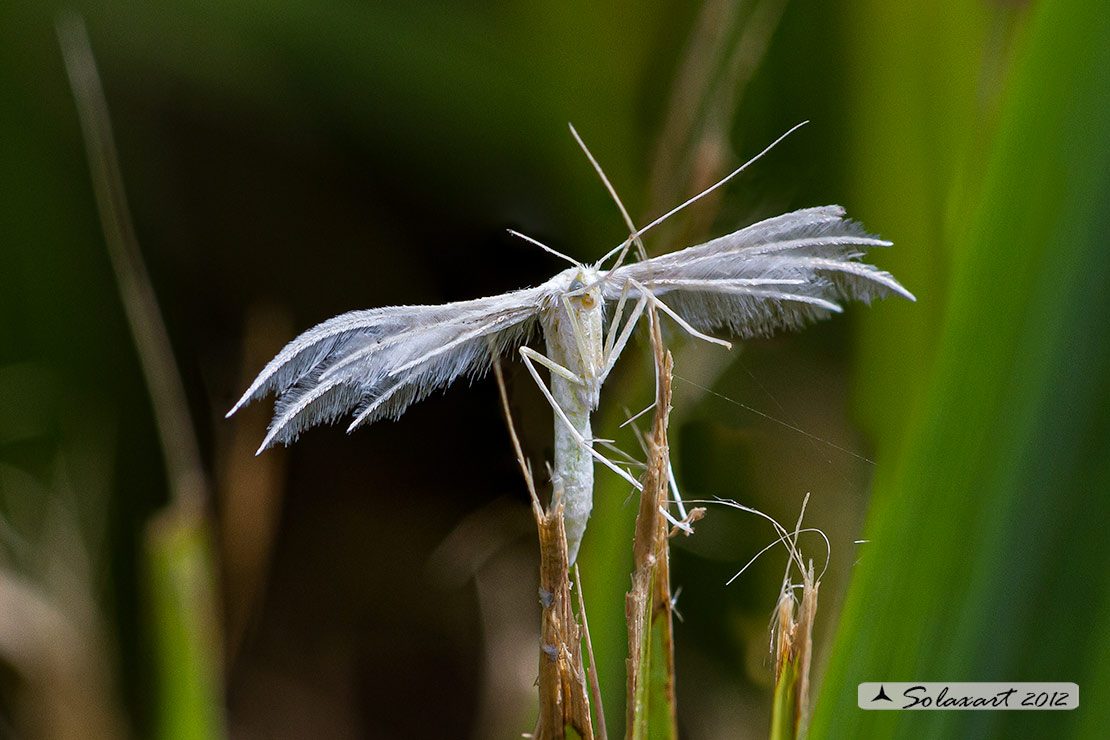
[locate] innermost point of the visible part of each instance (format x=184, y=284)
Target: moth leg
x=637, y=415
x=657, y=301
x=626, y=333
x=675, y=522
x=681, y=523
x=628, y=459
x=615, y=324
x=528, y=354
x=576, y=328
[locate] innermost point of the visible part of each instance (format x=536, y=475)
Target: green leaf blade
x=986, y=536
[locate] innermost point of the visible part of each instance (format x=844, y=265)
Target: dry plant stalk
x=649, y=600
x=793, y=648
x=648, y=605
x=564, y=700
x=562, y=676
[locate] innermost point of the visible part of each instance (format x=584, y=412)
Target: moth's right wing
x=379, y=361
x=777, y=274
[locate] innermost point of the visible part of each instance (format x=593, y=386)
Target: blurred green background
x=287, y=161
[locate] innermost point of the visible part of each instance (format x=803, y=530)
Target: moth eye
x=577, y=285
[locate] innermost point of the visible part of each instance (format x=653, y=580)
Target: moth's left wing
x=377, y=362
x=777, y=274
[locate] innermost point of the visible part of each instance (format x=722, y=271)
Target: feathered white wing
x=379, y=361
x=776, y=274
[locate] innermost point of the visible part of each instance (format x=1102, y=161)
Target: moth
x=777, y=274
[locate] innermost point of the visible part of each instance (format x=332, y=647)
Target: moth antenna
x=544, y=247
x=711, y=188
x=633, y=237
x=622, y=246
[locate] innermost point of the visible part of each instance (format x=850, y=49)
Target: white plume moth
x=776, y=274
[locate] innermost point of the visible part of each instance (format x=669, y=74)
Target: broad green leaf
x=986, y=559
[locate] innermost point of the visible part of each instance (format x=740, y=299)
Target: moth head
x=583, y=288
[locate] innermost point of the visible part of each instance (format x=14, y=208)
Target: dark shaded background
x=288, y=161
